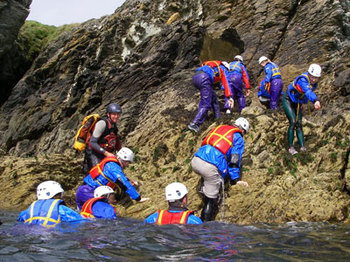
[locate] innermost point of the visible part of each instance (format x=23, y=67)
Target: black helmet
x=114, y=108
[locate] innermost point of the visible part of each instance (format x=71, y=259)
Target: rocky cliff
x=12, y=62
x=143, y=57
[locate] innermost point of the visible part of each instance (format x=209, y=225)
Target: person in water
x=49, y=209
x=109, y=172
x=220, y=154
x=272, y=85
x=103, y=140
x=101, y=205
x=299, y=92
x=177, y=213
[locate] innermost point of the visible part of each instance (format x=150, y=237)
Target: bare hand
x=243, y=183
x=231, y=103
x=143, y=200
x=317, y=105
x=134, y=183
x=108, y=154
x=248, y=92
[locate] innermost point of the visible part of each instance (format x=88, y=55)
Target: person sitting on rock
x=103, y=140
x=300, y=91
x=177, y=213
x=101, y=206
x=109, y=172
x=237, y=74
x=49, y=209
x=209, y=73
x=220, y=154
x=271, y=86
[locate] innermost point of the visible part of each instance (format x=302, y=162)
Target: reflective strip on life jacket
x=97, y=170
x=275, y=70
x=221, y=138
x=172, y=218
x=48, y=216
x=236, y=64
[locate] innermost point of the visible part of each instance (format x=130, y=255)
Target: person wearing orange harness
x=103, y=140
x=208, y=74
x=101, y=206
x=300, y=91
x=109, y=172
x=177, y=213
x=49, y=209
x=272, y=85
x=220, y=154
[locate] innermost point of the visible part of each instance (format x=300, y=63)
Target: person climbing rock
x=102, y=205
x=271, y=86
x=49, y=209
x=109, y=172
x=103, y=140
x=209, y=73
x=219, y=155
x=237, y=74
x=299, y=92
x=177, y=213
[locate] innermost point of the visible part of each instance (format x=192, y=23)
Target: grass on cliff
x=33, y=36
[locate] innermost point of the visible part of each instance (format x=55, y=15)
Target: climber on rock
x=237, y=74
x=271, y=86
x=209, y=73
x=103, y=140
x=299, y=92
x=109, y=172
x=220, y=155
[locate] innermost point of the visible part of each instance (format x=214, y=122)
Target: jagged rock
x=134, y=58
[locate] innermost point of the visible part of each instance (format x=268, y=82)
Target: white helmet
x=175, y=191
x=242, y=123
x=227, y=65
x=315, y=70
x=103, y=190
x=125, y=154
x=262, y=59
x=48, y=189
x=240, y=58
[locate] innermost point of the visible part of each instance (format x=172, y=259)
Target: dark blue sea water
x=130, y=240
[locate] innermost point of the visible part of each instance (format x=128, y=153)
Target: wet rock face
x=143, y=57
x=12, y=16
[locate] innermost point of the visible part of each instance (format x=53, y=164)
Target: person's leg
x=212, y=182
x=299, y=129
x=275, y=92
x=291, y=115
x=215, y=105
x=237, y=87
x=203, y=83
x=91, y=159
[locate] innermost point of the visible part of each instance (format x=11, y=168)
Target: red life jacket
x=109, y=139
x=98, y=170
x=217, y=74
x=165, y=217
x=221, y=137
x=86, y=210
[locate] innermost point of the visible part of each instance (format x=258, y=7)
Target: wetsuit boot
x=208, y=209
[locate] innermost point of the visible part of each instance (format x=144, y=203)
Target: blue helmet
x=114, y=108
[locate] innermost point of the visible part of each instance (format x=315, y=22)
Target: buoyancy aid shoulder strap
x=297, y=87
x=213, y=64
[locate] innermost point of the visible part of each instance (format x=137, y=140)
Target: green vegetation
x=33, y=36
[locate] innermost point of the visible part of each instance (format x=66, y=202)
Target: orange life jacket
x=221, y=137
x=165, y=217
x=98, y=170
x=86, y=210
x=217, y=73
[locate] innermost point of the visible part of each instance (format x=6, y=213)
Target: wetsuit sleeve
x=152, y=219
x=69, y=215
x=305, y=86
x=98, y=131
x=224, y=82
x=238, y=149
x=115, y=172
x=268, y=72
x=103, y=210
x=194, y=220
x=245, y=77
